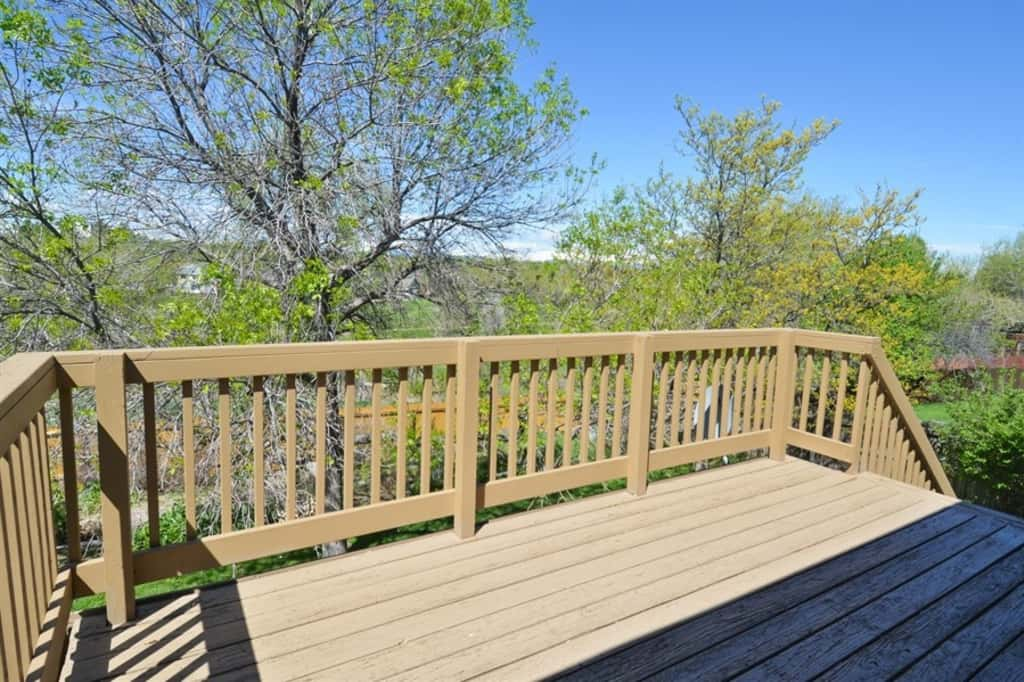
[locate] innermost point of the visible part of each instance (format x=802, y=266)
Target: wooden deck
x=695, y=580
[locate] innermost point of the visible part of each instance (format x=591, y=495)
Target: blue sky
x=929, y=95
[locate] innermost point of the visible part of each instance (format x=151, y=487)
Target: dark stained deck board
x=949, y=608
x=762, y=569
x=913, y=548
x=1005, y=666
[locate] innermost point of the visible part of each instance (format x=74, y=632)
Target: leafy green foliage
x=982, y=444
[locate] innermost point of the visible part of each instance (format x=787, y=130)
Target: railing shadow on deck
x=786, y=622
x=107, y=651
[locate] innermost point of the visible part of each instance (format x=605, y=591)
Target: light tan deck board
x=532, y=594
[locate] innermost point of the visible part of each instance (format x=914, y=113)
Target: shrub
x=983, y=447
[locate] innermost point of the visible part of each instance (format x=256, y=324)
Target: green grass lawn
x=932, y=412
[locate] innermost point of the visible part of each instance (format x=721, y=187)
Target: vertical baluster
x=570, y=419
x=512, y=463
x=449, y=425
x=715, y=396
x=659, y=413
x=587, y=397
x=17, y=632
x=26, y=529
x=258, y=470
x=702, y=398
x=348, y=474
x=620, y=394
x=224, y=412
x=805, y=397
x=551, y=405
x=824, y=387
x=769, y=398
x=728, y=425
x=35, y=508
x=402, y=436
x=426, y=428
x=689, y=404
x=72, y=523
x=152, y=475
x=738, y=389
x=531, y=418
x=677, y=398
x=376, y=396
x=45, y=497
x=749, y=402
x=844, y=374
x=880, y=421
x=495, y=407
x=907, y=457
x=291, y=446
x=188, y=458
x=859, y=409
x=320, y=445
x=602, y=409
x=869, y=425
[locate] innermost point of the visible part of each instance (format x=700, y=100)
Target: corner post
x=112, y=429
x=467, y=417
x=785, y=384
x=639, y=451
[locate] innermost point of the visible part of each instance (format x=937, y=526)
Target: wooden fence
x=522, y=417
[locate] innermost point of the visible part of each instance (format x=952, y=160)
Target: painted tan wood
x=620, y=392
x=712, y=487
x=118, y=576
x=805, y=395
x=530, y=629
x=258, y=475
x=69, y=463
x=585, y=408
x=824, y=387
x=551, y=405
x=844, y=377
x=320, y=442
x=290, y=446
x=48, y=652
x=426, y=434
x=376, y=432
x=769, y=393
x=525, y=487
x=715, y=388
x=640, y=416
x=728, y=426
x=17, y=601
x=531, y=417
x=188, y=458
x=512, y=456
x=494, y=407
x=695, y=452
x=568, y=413
x=152, y=475
x=702, y=401
x=659, y=412
x=449, y=426
x=857, y=430
x=468, y=374
x=821, y=444
x=601, y=446
x=495, y=581
x=348, y=473
x=224, y=449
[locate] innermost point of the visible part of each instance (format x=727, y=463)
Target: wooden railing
x=522, y=417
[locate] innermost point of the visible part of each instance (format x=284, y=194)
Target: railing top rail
x=27, y=381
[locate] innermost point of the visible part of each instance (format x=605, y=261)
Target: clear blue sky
x=929, y=95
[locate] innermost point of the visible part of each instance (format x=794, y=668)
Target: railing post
x=638, y=454
x=467, y=416
x=785, y=384
x=112, y=436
